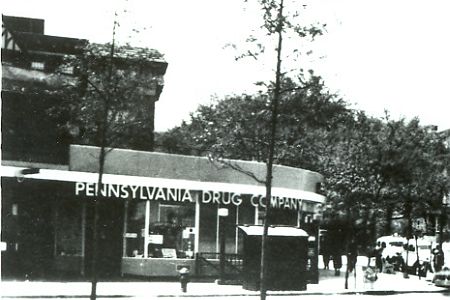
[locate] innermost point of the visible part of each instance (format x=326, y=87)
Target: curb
x=374, y=293
x=304, y=293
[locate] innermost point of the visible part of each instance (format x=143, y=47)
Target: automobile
x=442, y=278
x=392, y=249
x=393, y=245
x=417, y=260
x=446, y=250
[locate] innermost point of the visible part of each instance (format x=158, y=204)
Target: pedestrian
x=378, y=253
x=326, y=261
x=337, y=263
x=352, y=256
x=326, y=254
x=438, y=258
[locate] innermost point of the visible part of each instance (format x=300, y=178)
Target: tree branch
x=223, y=164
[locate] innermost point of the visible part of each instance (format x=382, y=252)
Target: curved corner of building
x=192, y=168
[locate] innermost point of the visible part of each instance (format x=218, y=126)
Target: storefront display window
x=279, y=216
x=172, y=236
x=135, y=229
x=167, y=232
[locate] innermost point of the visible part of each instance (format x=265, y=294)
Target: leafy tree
x=413, y=163
x=177, y=140
x=238, y=126
x=108, y=74
x=276, y=23
x=386, y=166
x=109, y=103
x=368, y=163
x=371, y=166
x=349, y=183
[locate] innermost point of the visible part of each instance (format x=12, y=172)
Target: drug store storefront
x=157, y=211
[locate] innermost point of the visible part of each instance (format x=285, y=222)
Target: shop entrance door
x=35, y=249
x=27, y=230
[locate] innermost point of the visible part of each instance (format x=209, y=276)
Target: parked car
x=392, y=250
x=446, y=250
x=418, y=261
x=393, y=245
x=442, y=278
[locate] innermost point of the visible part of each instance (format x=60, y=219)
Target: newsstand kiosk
x=287, y=258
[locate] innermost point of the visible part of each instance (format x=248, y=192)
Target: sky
x=377, y=55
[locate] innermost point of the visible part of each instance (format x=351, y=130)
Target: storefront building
x=156, y=212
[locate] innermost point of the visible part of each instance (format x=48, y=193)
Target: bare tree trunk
x=94, y=272
x=407, y=213
x=389, y=212
x=408, y=217
x=373, y=226
x=348, y=239
x=102, y=156
x=269, y=174
x=103, y=137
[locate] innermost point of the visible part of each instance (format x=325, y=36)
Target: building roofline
x=193, y=168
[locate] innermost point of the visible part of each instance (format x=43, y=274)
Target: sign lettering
x=182, y=195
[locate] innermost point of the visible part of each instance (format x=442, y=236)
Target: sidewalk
x=386, y=283
x=328, y=284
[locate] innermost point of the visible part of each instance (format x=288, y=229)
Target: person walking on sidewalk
x=352, y=256
x=438, y=258
x=337, y=262
x=326, y=254
x=378, y=254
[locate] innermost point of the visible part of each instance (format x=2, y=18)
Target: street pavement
x=328, y=284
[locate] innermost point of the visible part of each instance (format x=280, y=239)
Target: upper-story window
x=37, y=65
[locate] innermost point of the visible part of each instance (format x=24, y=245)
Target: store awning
x=255, y=230
x=86, y=177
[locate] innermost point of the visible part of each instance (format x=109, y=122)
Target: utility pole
x=223, y=212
